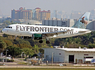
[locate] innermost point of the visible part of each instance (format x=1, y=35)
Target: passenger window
x=8, y=27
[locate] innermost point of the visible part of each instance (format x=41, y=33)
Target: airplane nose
x=3, y=30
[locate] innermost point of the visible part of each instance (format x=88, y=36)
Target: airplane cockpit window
x=8, y=27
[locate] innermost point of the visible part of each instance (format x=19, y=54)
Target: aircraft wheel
x=47, y=42
x=41, y=41
x=14, y=39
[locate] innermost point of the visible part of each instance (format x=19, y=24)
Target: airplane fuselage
x=29, y=30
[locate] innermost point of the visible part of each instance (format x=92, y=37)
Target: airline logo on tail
x=82, y=21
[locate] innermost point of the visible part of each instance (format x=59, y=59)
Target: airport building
x=56, y=22
x=69, y=55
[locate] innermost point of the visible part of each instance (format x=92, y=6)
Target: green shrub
x=10, y=60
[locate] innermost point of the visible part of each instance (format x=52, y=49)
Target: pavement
x=16, y=65
x=43, y=67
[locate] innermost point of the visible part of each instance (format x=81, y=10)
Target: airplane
x=39, y=32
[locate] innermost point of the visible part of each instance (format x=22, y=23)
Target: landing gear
x=47, y=42
x=41, y=41
x=15, y=38
x=33, y=37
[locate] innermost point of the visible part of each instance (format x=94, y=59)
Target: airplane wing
x=54, y=33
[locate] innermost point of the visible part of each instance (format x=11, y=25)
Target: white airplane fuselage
x=29, y=30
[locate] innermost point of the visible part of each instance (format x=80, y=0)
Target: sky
x=61, y=5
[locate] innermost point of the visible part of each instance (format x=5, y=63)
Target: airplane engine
x=37, y=36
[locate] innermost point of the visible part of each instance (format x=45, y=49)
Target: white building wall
x=63, y=55
x=78, y=56
x=58, y=55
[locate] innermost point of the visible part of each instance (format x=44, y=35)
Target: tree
x=27, y=51
x=7, y=22
x=28, y=23
x=36, y=49
x=41, y=51
x=39, y=44
x=91, y=46
x=2, y=46
x=13, y=51
x=77, y=40
x=8, y=42
x=1, y=38
x=86, y=39
x=22, y=43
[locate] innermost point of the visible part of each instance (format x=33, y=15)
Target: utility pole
x=6, y=55
x=52, y=58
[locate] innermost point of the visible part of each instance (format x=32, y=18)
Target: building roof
x=21, y=8
x=77, y=49
x=45, y=11
x=74, y=49
x=37, y=8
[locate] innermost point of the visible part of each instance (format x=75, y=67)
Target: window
x=8, y=27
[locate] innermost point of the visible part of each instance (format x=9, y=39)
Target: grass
x=45, y=69
x=22, y=63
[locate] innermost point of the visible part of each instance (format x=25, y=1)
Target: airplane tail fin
x=82, y=22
